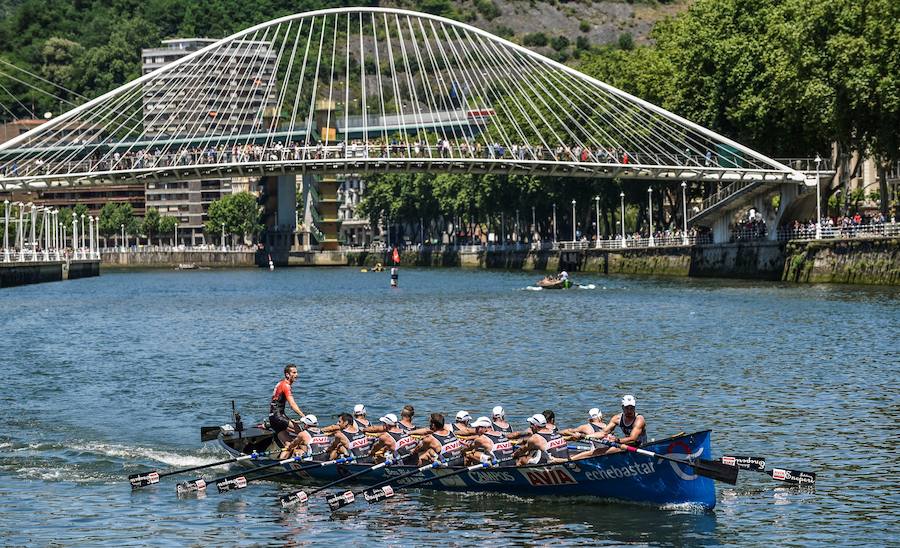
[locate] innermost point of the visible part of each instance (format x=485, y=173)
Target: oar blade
x=231, y=484
x=756, y=464
x=192, y=486
x=792, y=476
x=336, y=502
x=144, y=479
x=716, y=470
x=294, y=499
x=377, y=495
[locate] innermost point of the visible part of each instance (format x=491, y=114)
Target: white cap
x=309, y=420
x=390, y=419
x=537, y=419
x=595, y=413
x=463, y=416
x=497, y=411
x=627, y=400
x=359, y=409
x=482, y=422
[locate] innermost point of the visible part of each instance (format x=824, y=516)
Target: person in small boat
x=498, y=420
x=351, y=440
x=359, y=415
x=310, y=442
x=285, y=429
x=550, y=416
x=441, y=444
x=545, y=445
x=490, y=445
x=394, y=440
x=594, y=425
x=461, y=426
x=632, y=425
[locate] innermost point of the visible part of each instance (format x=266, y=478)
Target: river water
x=107, y=376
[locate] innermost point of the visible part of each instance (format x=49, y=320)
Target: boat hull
x=621, y=476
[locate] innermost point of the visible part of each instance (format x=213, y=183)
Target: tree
x=150, y=224
x=167, y=226
x=113, y=216
x=239, y=212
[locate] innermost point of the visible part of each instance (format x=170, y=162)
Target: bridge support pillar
x=279, y=195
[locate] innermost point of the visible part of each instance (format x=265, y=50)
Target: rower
x=310, y=443
x=405, y=424
x=498, y=420
x=359, y=415
x=351, y=440
x=395, y=440
x=545, y=445
x=632, y=425
x=550, y=417
x=285, y=429
x=441, y=444
x=594, y=425
x=489, y=445
x=461, y=426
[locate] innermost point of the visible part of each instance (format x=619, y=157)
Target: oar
x=707, y=468
x=373, y=495
x=200, y=484
x=149, y=478
x=758, y=464
x=336, y=502
x=240, y=482
x=301, y=496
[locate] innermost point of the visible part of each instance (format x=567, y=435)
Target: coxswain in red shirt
x=284, y=428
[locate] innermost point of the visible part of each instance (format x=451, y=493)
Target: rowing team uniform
x=403, y=446
x=319, y=443
x=452, y=450
x=277, y=417
x=557, y=447
x=505, y=429
x=501, y=449
x=360, y=444
x=627, y=428
x=596, y=429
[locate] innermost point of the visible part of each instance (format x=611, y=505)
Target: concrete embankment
x=24, y=273
x=171, y=259
x=857, y=261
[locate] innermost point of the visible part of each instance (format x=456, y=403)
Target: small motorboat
x=186, y=266
x=554, y=283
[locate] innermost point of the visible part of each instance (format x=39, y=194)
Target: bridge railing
x=250, y=153
x=874, y=230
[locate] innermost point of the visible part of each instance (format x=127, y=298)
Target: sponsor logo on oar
x=143, y=480
x=230, y=484
x=745, y=463
x=793, y=476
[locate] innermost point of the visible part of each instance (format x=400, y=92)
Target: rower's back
x=359, y=443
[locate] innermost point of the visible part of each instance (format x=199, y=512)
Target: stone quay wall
x=171, y=259
x=23, y=273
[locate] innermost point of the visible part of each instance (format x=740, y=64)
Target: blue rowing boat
x=619, y=476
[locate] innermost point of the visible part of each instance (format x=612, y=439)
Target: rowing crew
x=465, y=441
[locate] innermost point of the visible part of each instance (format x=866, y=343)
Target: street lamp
x=223, y=236
x=93, y=249
x=75, y=236
x=6, y=231
x=684, y=205
x=818, y=201
x=175, y=240
x=554, y=223
x=573, y=221
x=83, y=239
x=622, y=197
x=597, y=201
x=124, y=243
x=651, y=242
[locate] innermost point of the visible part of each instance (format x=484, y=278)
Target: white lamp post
x=223, y=236
x=5, y=231
x=124, y=243
x=75, y=236
x=684, y=210
x=46, y=231
x=597, y=202
x=554, y=223
x=622, y=197
x=33, y=223
x=818, y=201
x=651, y=242
x=574, y=237
x=83, y=238
x=97, y=234
x=175, y=240
x=91, y=240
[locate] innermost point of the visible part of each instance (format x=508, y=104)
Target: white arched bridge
x=368, y=90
